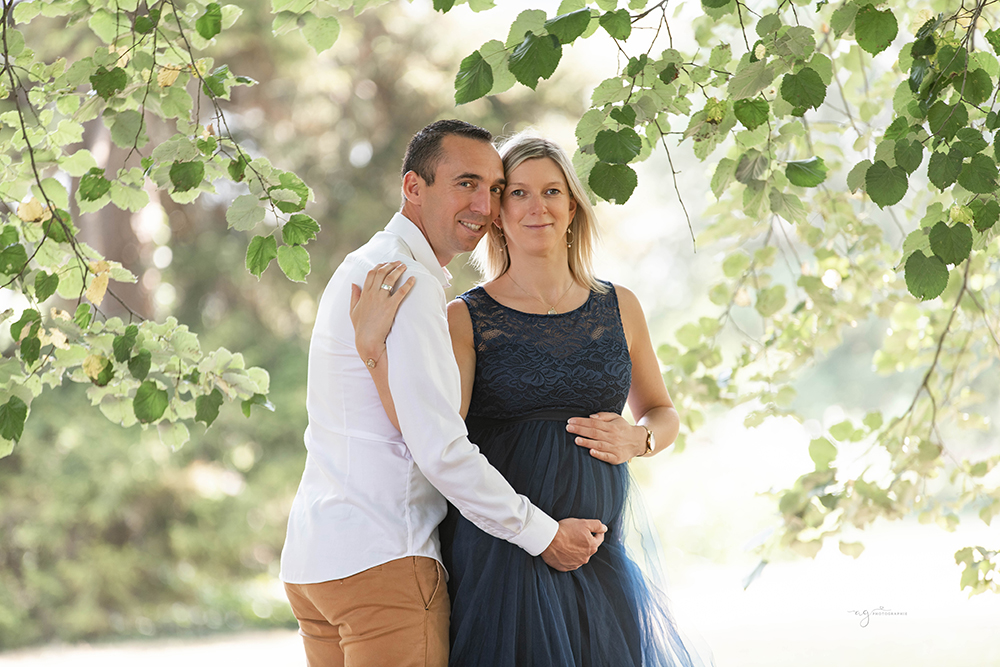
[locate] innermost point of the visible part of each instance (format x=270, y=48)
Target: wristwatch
x=650, y=441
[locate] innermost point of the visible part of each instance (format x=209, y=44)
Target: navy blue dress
x=509, y=609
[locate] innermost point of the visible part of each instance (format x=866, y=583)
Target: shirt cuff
x=538, y=533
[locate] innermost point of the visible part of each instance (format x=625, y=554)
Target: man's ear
x=413, y=187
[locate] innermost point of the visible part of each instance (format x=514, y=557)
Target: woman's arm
x=608, y=435
x=373, y=310
x=462, y=342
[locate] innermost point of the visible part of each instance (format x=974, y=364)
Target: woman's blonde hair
x=490, y=256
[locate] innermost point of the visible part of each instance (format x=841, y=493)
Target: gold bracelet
x=650, y=440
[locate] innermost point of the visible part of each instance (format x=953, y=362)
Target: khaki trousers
x=391, y=615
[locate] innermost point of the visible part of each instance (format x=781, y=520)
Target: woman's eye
x=517, y=193
x=553, y=191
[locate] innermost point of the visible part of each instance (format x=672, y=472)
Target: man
x=361, y=562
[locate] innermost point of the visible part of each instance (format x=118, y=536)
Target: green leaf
x=636, y=65
x=923, y=46
x=843, y=18
x=8, y=236
x=567, y=27
x=898, y=129
x=918, y=72
x=144, y=25
x=803, y=90
x=150, y=402
x=82, y=315
x=806, y=173
x=207, y=407
x=28, y=317
x=106, y=374
x=952, y=60
x=443, y=6
x=751, y=80
x=715, y=4
x=256, y=399
x=215, y=83
x=320, y=33
x=186, y=175
x=294, y=261
x=260, y=252
x=209, y=24
x=617, y=147
x=208, y=146
x=993, y=37
x=30, y=350
x=474, y=79
x=107, y=83
x=752, y=113
x=987, y=215
x=613, y=182
x=669, y=73
x=13, y=259
x=885, y=185
x=736, y=264
x=951, y=244
x=976, y=86
x=770, y=300
x=536, y=57
x=127, y=129
x=926, y=277
x=945, y=120
x=822, y=452
x=139, y=365
x=624, y=115
x=979, y=175
x=12, y=416
x=299, y=230
x=237, y=168
x=751, y=166
x=874, y=29
x=943, y=168
x=93, y=185
x=45, y=285
x=289, y=181
x=618, y=23
x=908, y=154
x=972, y=141
x=122, y=345
x=856, y=177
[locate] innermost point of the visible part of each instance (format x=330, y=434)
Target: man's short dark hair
x=424, y=150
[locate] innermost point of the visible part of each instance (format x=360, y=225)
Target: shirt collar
x=418, y=246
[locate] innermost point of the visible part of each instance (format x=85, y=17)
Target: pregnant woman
x=549, y=356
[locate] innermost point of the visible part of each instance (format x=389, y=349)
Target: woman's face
x=537, y=207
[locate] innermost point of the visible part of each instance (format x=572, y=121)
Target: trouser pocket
x=428, y=576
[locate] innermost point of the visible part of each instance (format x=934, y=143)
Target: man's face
x=465, y=197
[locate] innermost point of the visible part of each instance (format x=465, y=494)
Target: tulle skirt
x=512, y=610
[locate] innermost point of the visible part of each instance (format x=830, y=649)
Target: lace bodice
x=529, y=362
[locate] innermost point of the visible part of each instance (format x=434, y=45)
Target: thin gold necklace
x=551, y=309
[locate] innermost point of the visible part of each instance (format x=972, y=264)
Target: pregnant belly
x=540, y=460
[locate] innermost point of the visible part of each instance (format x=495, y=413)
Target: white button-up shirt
x=369, y=493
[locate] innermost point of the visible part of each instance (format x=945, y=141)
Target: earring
x=569, y=237
x=503, y=238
